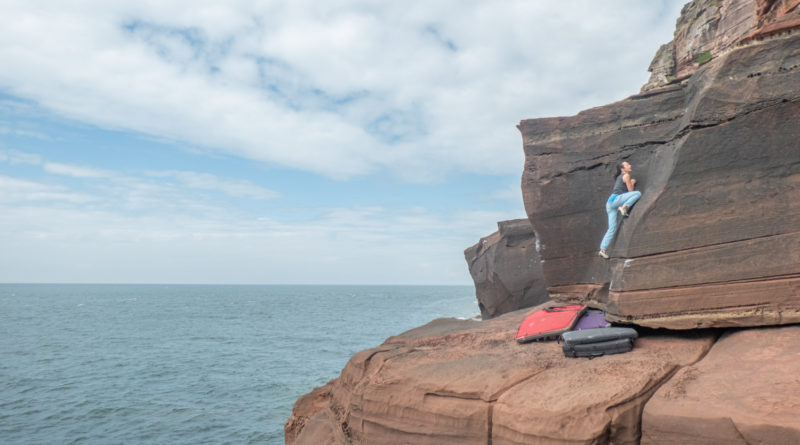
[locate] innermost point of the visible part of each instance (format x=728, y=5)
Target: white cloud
x=6, y=130
x=339, y=88
x=206, y=181
x=21, y=191
x=118, y=192
x=401, y=246
x=156, y=228
x=20, y=157
x=76, y=170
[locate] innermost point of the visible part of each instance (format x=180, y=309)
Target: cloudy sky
x=319, y=142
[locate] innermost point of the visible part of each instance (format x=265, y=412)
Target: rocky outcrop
x=464, y=382
x=710, y=28
x=663, y=68
x=746, y=390
x=506, y=269
x=469, y=382
x=714, y=239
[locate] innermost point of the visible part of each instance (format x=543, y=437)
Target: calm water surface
x=187, y=364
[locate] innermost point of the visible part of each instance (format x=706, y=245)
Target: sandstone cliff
x=709, y=29
x=714, y=239
x=712, y=243
x=506, y=269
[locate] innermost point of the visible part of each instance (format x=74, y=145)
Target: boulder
x=746, y=390
x=506, y=269
x=714, y=240
x=465, y=382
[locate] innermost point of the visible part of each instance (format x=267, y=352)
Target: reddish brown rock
x=776, y=16
x=714, y=239
x=507, y=269
x=463, y=381
x=745, y=391
x=711, y=28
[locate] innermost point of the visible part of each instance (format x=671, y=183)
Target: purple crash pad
x=591, y=319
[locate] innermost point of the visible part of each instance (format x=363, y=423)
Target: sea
x=187, y=364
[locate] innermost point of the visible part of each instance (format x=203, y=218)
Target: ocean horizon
x=188, y=363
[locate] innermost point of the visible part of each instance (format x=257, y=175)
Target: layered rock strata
x=746, y=390
x=710, y=28
x=462, y=381
x=714, y=239
x=468, y=382
x=506, y=269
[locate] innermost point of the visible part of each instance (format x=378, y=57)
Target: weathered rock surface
x=716, y=27
x=746, y=390
x=714, y=240
x=465, y=382
x=506, y=269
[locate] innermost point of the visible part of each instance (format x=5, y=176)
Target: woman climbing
x=623, y=196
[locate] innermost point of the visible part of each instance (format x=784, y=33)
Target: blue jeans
x=613, y=203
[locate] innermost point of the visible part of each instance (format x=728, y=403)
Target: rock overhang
x=717, y=160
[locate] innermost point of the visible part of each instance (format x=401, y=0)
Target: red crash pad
x=549, y=322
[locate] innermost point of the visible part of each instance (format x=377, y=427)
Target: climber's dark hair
x=619, y=168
